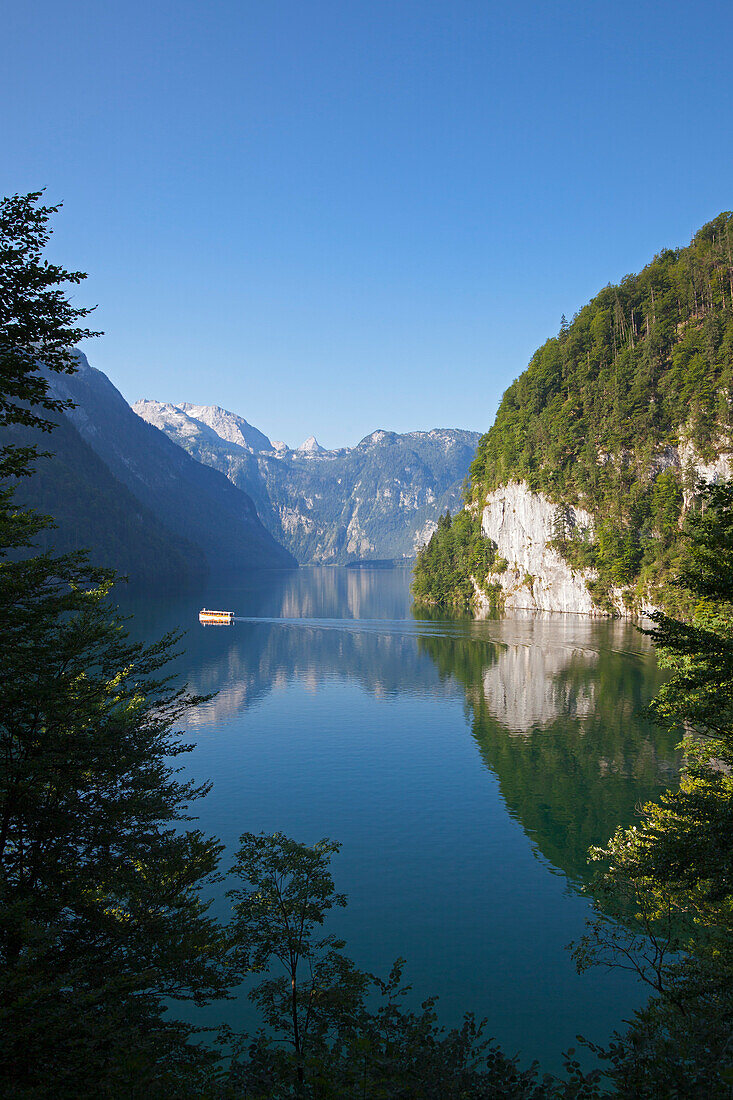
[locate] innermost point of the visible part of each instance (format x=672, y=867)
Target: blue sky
x=337, y=216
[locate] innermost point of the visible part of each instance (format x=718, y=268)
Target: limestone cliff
x=584, y=480
x=521, y=525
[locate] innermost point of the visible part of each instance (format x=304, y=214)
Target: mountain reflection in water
x=554, y=701
x=466, y=767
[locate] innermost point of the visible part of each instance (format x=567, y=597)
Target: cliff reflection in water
x=553, y=702
x=555, y=708
x=310, y=625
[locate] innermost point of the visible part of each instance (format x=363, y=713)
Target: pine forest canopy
x=645, y=364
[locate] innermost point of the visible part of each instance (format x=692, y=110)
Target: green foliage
x=664, y=902
x=38, y=324
x=101, y=915
x=644, y=363
x=288, y=892
x=102, y=920
x=348, y=1033
x=456, y=552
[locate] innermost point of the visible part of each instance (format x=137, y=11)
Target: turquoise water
x=465, y=767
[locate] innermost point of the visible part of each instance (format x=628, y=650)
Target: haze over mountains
x=142, y=505
x=156, y=504
x=375, y=501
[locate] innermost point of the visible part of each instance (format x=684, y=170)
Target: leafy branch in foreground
x=101, y=908
x=334, y=1031
x=664, y=902
x=38, y=323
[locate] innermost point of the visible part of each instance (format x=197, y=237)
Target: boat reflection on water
x=215, y=618
x=466, y=766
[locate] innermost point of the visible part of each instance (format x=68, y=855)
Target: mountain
x=578, y=490
x=227, y=426
x=120, y=487
x=93, y=510
x=378, y=500
x=312, y=446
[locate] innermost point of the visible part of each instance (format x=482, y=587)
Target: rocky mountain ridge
x=121, y=488
x=378, y=500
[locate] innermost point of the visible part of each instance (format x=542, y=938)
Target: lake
x=465, y=766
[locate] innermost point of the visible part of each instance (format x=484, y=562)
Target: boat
x=216, y=618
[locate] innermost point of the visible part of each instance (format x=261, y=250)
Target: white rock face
x=311, y=446
x=229, y=426
x=721, y=469
x=172, y=419
x=537, y=577
x=526, y=688
x=205, y=424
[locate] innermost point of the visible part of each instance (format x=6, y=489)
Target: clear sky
x=333, y=216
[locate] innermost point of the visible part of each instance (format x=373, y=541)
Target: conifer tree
x=664, y=902
x=101, y=914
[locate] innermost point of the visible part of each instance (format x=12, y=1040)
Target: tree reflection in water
x=556, y=711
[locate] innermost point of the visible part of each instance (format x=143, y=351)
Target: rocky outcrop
x=378, y=500
x=696, y=467
x=522, y=524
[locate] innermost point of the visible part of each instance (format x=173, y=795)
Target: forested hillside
x=195, y=509
x=620, y=413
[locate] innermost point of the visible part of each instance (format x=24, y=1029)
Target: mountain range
x=138, y=502
x=378, y=500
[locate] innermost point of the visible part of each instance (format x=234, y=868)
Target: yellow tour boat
x=216, y=618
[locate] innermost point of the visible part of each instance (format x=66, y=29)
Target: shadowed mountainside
x=119, y=487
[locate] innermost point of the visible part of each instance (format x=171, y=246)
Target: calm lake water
x=466, y=768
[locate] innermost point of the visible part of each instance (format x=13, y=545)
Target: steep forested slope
x=619, y=415
x=139, y=503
